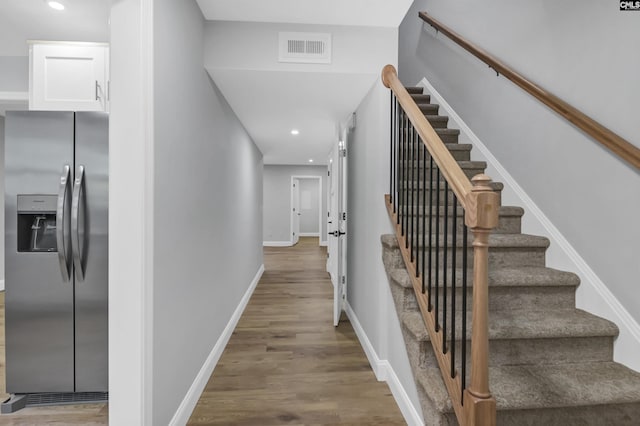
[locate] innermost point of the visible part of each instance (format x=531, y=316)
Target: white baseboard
x=593, y=295
x=277, y=244
x=385, y=373
x=1, y=285
x=190, y=400
x=309, y=234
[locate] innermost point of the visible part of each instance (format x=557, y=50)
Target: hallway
x=285, y=362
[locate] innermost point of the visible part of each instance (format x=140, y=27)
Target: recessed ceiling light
x=311, y=160
x=295, y=132
x=55, y=5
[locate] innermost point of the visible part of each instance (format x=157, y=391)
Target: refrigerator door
x=39, y=301
x=89, y=226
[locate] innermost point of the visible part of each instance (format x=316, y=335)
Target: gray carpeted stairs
x=550, y=363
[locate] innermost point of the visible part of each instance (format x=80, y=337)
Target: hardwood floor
x=286, y=364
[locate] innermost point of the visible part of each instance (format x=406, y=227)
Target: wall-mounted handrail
x=621, y=147
x=416, y=151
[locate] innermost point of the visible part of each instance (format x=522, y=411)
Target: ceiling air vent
x=308, y=48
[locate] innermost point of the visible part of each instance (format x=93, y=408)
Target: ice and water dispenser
x=37, y=223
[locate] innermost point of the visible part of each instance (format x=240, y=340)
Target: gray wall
x=277, y=199
x=368, y=290
x=310, y=206
x=2, y=200
x=579, y=51
x=207, y=214
x=14, y=73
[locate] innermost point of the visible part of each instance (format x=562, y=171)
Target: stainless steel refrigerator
x=56, y=251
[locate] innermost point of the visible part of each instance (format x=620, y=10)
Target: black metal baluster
x=437, y=238
x=416, y=215
x=391, y=145
x=444, y=266
x=424, y=213
x=410, y=187
x=463, y=349
x=454, y=247
x=414, y=191
x=395, y=174
x=402, y=169
x=430, y=265
x=407, y=200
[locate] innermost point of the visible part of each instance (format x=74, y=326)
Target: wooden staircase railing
x=621, y=147
x=433, y=264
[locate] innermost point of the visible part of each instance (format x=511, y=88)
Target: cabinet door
x=68, y=77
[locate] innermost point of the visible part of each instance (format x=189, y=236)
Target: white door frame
x=320, y=212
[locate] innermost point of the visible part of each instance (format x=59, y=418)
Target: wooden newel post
x=481, y=217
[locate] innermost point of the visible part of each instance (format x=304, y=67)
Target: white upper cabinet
x=68, y=76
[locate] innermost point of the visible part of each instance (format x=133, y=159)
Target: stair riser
x=506, y=225
x=533, y=351
x=421, y=98
x=509, y=298
x=501, y=298
x=601, y=415
x=499, y=257
x=458, y=154
x=449, y=138
x=409, y=197
x=436, y=121
x=430, y=109
x=416, y=175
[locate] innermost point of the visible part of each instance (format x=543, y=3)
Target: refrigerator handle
x=61, y=243
x=77, y=249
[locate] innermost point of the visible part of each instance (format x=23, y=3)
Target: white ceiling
x=271, y=103
x=373, y=13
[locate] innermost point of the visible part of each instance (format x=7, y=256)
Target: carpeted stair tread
x=496, y=186
x=437, y=120
x=448, y=131
x=431, y=109
x=540, y=387
x=463, y=164
x=420, y=98
x=566, y=385
x=516, y=241
x=527, y=325
x=531, y=276
x=414, y=90
x=505, y=211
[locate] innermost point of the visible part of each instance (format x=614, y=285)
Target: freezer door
x=91, y=251
x=39, y=301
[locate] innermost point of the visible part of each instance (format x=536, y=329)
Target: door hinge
x=328, y=173
x=344, y=215
x=344, y=279
x=343, y=152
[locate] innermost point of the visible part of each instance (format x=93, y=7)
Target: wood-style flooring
x=286, y=364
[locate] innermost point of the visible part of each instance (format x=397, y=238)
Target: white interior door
x=337, y=228
x=295, y=211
